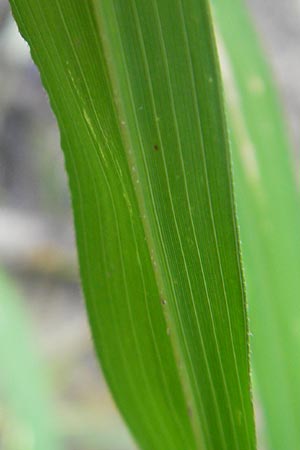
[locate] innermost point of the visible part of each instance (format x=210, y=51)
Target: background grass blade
x=135, y=88
x=28, y=418
x=269, y=217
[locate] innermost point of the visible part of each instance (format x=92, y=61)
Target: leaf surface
x=135, y=87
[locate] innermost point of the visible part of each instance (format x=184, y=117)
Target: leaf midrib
x=125, y=137
x=158, y=274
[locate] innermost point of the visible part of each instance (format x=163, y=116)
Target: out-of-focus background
x=41, y=308
x=37, y=251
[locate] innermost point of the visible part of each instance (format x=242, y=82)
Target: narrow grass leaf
x=135, y=87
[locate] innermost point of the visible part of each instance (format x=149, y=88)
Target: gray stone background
x=36, y=236
x=278, y=23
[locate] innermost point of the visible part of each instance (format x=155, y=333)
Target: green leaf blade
x=183, y=150
x=147, y=156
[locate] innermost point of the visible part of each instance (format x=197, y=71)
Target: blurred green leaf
x=135, y=87
x=27, y=421
x=269, y=218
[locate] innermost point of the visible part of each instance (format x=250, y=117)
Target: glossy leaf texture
x=136, y=91
x=269, y=219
